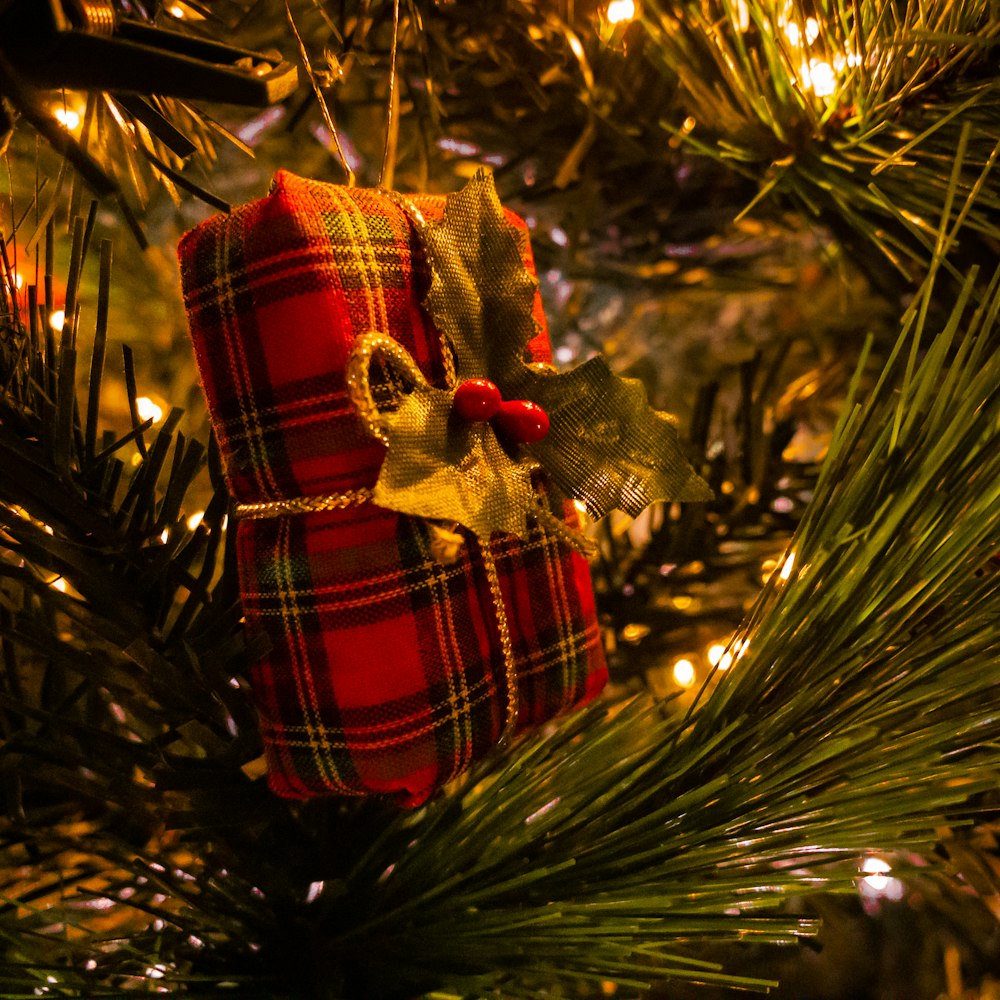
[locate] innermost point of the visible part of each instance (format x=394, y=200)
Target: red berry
x=477, y=399
x=523, y=421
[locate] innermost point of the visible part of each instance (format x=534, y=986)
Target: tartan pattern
x=385, y=673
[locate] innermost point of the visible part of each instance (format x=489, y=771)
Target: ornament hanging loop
x=387, y=171
x=320, y=99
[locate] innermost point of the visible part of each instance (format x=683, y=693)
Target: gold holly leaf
x=441, y=467
x=606, y=445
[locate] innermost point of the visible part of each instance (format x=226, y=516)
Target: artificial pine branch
x=126, y=739
x=858, y=716
x=851, y=114
x=119, y=632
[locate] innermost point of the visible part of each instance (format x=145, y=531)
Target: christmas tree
x=781, y=219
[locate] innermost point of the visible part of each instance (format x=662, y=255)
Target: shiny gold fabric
x=606, y=446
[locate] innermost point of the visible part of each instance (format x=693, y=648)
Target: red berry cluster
x=520, y=419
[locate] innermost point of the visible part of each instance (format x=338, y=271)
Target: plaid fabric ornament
x=400, y=647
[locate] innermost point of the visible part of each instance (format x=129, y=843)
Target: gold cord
x=358, y=376
x=302, y=505
x=505, y=644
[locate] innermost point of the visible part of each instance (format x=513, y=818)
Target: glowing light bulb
x=148, y=410
x=18, y=280
x=195, y=519
x=820, y=77
x=684, y=673
x=877, y=884
x=718, y=656
x=57, y=319
x=812, y=29
x=620, y=11
x=877, y=867
x=66, y=117
x=742, y=15
x=635, y=632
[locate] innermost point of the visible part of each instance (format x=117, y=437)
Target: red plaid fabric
x=385, y=673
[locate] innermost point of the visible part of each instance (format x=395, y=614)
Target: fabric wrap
x=385, y=673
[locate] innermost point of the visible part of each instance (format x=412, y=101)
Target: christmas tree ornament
x=403, y=457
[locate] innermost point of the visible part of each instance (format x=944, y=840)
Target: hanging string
x=318, y=91
x=388, y=168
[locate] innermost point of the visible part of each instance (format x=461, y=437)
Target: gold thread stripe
x=303, y=505
x=505, y=644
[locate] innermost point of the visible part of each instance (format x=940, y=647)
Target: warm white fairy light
x=820, y=77
x=877, y=868
x=684, y=673
x=67, y=117
x=877, y=884
x=195, y=519
x=635, y=632
x=148, y=410
x=57, y=319
x=620, y=11
x=742, y=10
x=183, y=12
x=786, y=569
x=718, y=657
